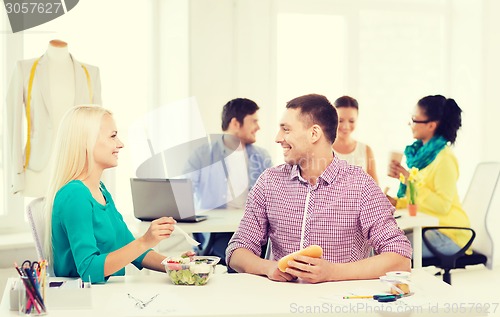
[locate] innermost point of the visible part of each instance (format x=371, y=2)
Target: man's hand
x=311, y=270
x=275, y=274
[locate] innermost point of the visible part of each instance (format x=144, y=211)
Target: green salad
x=186, y=277
x=190, y=270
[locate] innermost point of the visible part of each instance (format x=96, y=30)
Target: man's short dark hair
x=316, y=109
x=237, y=108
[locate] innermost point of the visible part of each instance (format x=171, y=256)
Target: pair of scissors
x=387, y=298
x=33, y=267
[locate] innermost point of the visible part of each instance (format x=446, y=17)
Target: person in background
x=223, y=171
x=85, y=235
x=316, y=198
x=345, y=146
x=434, y=125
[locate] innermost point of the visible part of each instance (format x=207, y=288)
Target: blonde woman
x=86, y=236
x=345, y=146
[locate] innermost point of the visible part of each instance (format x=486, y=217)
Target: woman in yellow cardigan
x=434, y=125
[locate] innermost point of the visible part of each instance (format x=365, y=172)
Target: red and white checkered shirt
x=345, y=213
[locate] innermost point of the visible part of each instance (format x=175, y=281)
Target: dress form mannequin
x=61, y=77
x=46, y=87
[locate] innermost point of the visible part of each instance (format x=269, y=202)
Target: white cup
x=394, y=156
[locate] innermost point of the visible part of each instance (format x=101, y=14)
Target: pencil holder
x=29, y=298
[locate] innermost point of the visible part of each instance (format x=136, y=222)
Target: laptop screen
x=154, y=198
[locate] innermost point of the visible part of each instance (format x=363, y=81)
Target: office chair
x=36, y=219
x=477, y=204
x=37, y=223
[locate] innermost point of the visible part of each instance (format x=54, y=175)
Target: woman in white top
x=345, y=147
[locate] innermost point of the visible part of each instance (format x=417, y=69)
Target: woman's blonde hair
x=74, y=156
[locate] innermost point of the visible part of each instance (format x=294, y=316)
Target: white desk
x=227, y=220
x=415, y=223
x=250, y=295
x=219, y=220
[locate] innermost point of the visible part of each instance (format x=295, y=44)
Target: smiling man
x=224, y=170
x=315, y=198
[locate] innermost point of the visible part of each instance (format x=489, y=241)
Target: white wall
x=490, y=79
x=234, y=53
x=489, y=118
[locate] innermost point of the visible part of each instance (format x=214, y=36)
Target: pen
x=29, y=291
x=32, y=285
x=376, y=297
x=358, y=296
x=43, y=273
x=18, y=269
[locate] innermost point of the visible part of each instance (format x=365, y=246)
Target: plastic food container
x=398, y=281
x=192, y=270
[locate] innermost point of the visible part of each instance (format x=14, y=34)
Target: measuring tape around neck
x=28, y=107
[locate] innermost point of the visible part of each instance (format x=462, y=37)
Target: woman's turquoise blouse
x=84, y=232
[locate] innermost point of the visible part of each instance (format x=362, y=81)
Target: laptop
x=157, y=197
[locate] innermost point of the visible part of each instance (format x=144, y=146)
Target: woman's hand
x=395, y=169
x=159, y=229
